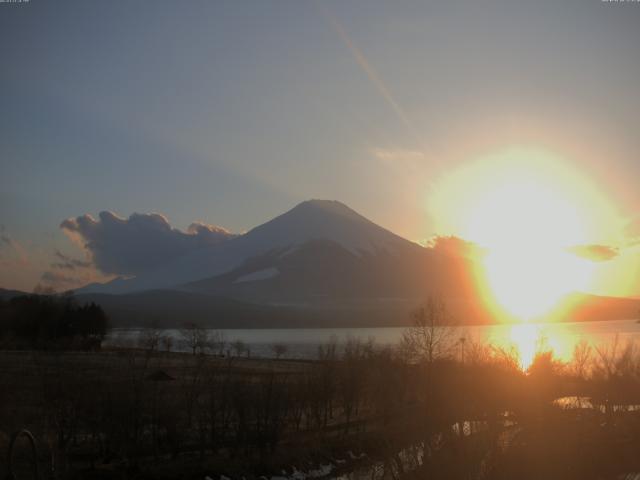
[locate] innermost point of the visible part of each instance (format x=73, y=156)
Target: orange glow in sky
x=526, y=208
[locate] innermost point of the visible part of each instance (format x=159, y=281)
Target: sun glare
x=527, y=226
x=529, y=339
x=530, y=285
x=526, y=209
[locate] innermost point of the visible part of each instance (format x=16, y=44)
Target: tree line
x=51, y=321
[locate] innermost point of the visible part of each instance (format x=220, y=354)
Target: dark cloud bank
x=130, y=246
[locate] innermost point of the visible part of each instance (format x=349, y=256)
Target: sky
x=230, y=113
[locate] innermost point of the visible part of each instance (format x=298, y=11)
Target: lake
x=526, y=338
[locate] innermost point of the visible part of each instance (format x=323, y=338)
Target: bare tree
x=580, y=360
x=328, y=351
x=194, y=338
x=279, y=349
x=324, y=381
x=149, y=339
x=167, y=342
x=239, y=347
x=432, y=335
x=352, y=377
x=216, y=342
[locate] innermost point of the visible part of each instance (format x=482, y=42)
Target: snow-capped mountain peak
x=325, y=220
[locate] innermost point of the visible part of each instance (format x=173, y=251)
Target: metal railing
x=34, y=451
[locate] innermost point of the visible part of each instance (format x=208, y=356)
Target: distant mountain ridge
x=171, y=309
x=6, y=294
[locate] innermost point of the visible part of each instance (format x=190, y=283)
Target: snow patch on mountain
x=258, y=275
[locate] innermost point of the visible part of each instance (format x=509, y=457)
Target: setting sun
x=527, y=225
x=527, y=210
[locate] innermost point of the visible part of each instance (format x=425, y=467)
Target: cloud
x=595, y=253
x=208, y=234
x=455, y=247
x=68, y=263
x=58, y=279
x=130, y=246
x=68, y=273
x=15, y=247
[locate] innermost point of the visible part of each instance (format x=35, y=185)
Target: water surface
x=525, y=338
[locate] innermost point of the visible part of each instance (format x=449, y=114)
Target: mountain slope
x=323, y=271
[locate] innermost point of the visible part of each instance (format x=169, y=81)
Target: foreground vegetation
x=435, y=407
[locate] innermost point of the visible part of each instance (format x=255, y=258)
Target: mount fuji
x=310, y=231
x=319, y=255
